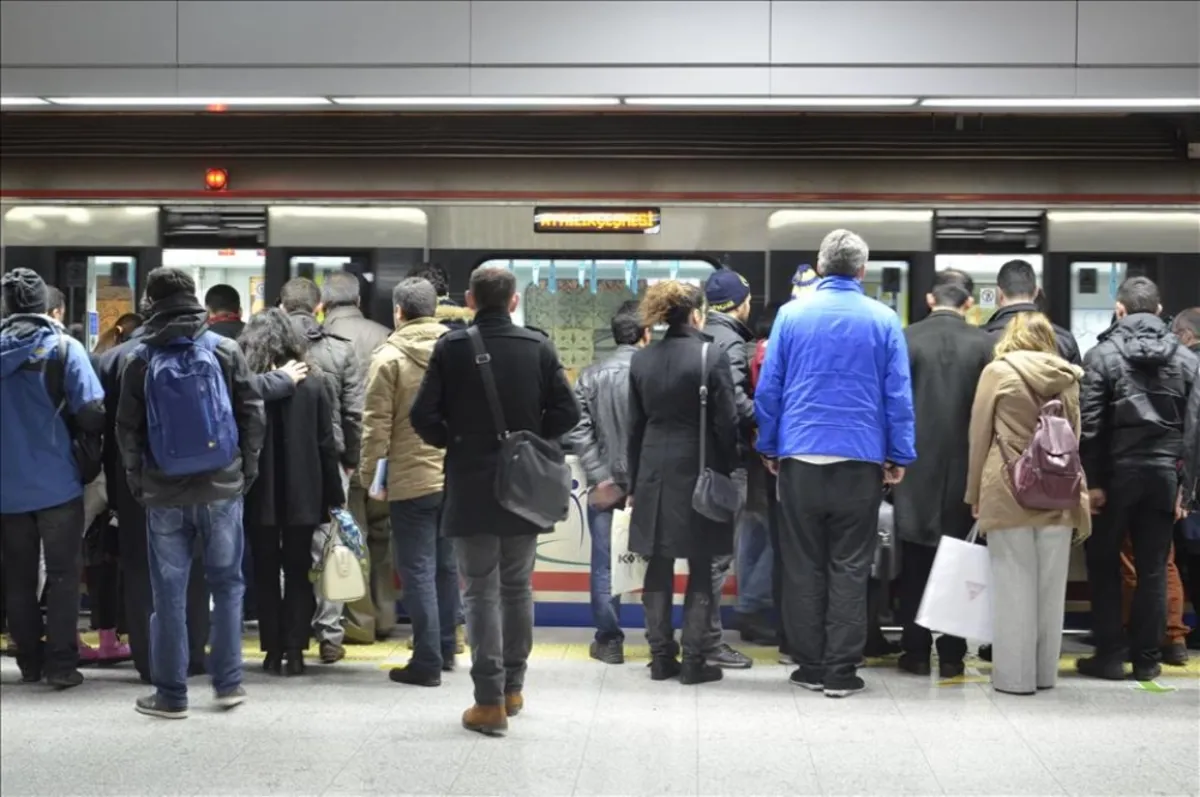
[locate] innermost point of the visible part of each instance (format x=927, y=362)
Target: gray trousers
x=1029, y=582
x=498, y=603
x=721, y=566
x=327, y=619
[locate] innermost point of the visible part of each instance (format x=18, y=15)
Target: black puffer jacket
x=1068, y=349
x=733, y=337
x=602, y=434
x=334, y=355
x=182, y=316
x=1134, y=398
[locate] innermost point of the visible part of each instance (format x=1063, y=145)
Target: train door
x=242, y=269
x=318, y=267
x=98, y=290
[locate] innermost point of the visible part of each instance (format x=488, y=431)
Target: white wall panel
x=94, y=225
x=1141, y=32
x=80, y=32
x=215, y=32
x=923, y=32
x=620, y=31
x=1138, y=82
x=923, y=81
x=347, y=226
x=323, y=81
x=643, y=80
x=49, y=82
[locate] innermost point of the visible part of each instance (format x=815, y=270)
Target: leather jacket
x=1191, y=445
x=1134, y=398
x=600, y=438
x=334, y=355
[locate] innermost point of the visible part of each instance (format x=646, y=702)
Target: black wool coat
x=451, y=412
x=946, y=355
x=664, y=445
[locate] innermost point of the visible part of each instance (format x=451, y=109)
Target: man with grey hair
x=835, y=421
x=413, y=482
x=373, y=616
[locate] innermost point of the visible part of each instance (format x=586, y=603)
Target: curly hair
x=271, y=339
x=671, y=302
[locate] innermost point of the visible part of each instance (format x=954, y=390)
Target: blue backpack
x=190, y=426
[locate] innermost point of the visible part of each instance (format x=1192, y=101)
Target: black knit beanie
x=23, y=291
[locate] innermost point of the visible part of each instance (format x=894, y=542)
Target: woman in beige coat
x=1029, y=549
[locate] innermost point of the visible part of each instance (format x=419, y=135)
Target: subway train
x=583, y=236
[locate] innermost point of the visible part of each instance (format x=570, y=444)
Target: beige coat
x=1006, y=413
x=397, y=368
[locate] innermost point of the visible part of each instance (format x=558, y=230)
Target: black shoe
x=65, y=680
x=985, y=652
x=697, y=671
x=273, y=664
x=1146, y=672
x=914, y=664
x=882, y=649
x=1175, y=654
x=798, y=678
x=449, y=662
x=196, y=668
x=331, y=653
x=610, y=651
x=727, y=658
x=230, y=698
x=31, y=675
x=153, y=706
x=755, y=629
x=951, y=669
x=295, y=663
x=412, y=677
x=144, y=677
x=1096, y=667
x=663, y=668
x=845, y=688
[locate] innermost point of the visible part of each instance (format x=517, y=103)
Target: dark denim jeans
x=606, y=607
x=173, y=531
x=755, y=564
x=425, y=562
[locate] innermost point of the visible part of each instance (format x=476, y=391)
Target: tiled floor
x=596, y=730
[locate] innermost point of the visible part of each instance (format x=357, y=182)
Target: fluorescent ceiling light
x=1065, y=102
x=21, y=102
x=848, y=216
x=1115, y=216
x=176, y=102
x=774, y=102
x=468, y=102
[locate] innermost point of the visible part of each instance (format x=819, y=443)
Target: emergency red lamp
x=216, y=179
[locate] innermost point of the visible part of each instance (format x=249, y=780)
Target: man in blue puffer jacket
x=835, y=420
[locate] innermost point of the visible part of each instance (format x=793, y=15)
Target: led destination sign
x=646, y=221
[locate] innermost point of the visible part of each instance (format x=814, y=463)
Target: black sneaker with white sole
x=845, y=688
x=230, y=698
x=804, y=681
x=155, y=706
x=725, y=657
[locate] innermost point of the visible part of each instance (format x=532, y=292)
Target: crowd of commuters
x=204, y=454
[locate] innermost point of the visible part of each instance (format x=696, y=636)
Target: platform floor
x=590, y=729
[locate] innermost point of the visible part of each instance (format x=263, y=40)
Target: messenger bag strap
x=703, y=402
x=484, y=362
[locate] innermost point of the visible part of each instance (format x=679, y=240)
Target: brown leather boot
x=514, y=702
x=488, y=720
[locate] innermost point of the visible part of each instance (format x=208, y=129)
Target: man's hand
x=295, y=370
x=892, y=474
x=1098, y=499
x=378, y=495
x=629, y=502
x=771, y=464
x=975, y=511
x=1180, y=506
x=605, y=495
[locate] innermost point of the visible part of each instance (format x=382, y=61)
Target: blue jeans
x=606, y=607
x=173, y=531
x=755, y=564
x=425, y=562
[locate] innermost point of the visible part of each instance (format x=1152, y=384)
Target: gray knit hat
x=23, y=291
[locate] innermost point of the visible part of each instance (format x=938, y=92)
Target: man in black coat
x=495, y=548
x=946, y=356
x=1017, y=288
x=1187, y=551
x=1133, y=402
x=728, y=296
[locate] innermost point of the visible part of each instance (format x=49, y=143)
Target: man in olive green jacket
x=414, y=482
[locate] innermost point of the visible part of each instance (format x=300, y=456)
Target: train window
x=244, y=269
x=1093, y=296
x=887, y=281
x=573, y=301
x=110, y=293
x=318, y=267
x=983, y=269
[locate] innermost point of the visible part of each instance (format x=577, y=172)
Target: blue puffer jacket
x=836, y=381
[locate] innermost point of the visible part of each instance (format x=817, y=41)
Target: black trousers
x=59, y=530
x=657, y=600
x=1141, y=504
x=104, y=594
x=830, y=528
x=917, y=640
x=139, y=601
x=774, y=525
x=284, y=618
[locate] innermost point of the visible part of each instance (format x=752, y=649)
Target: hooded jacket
x=1068, y=349
x=175, y=317
x=334, y=355
x=397, y=369
x=1005, y=413
x=37, y=466
x=1134, y=398
x=453, y=315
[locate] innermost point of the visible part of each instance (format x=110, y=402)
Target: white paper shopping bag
x=958, y=595
x=628, y=569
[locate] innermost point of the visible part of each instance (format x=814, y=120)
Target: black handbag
x=533, y=480
x=716, y=496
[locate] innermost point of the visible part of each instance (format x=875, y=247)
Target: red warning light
x=216, y=179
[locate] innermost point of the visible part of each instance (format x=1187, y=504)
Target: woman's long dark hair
x=270, y=339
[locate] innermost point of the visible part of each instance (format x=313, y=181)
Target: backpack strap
x=54, y=372
x=483, y=361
